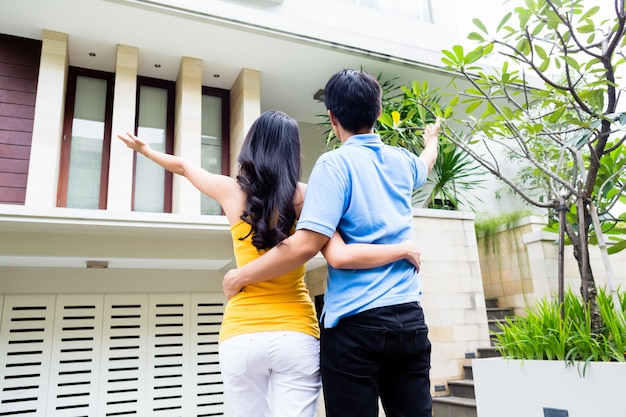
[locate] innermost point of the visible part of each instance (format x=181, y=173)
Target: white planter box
x=515, y=388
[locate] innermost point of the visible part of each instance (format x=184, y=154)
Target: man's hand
x=431, y=144
x=230, y=285
x=431, y=132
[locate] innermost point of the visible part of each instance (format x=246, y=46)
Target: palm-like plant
x=406, y=110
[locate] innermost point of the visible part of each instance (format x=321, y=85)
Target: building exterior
x=110, y=269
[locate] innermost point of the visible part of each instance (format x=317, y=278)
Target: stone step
x=493, y=325
x=450, y=406
x=491, y=303
x=488, y=352
x=463, y=388
x=468, y=371
x=496, y=313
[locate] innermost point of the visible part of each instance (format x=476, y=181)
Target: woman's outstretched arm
x=219, y=187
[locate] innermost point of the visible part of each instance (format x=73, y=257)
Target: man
x=374, y=341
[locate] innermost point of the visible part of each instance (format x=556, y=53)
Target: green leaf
x=473, y=106
x=504, y=20
x=618, y=247
x=589, y=13
x=544, y=65
x=556, y=115
x=541, y=53
x=451, y=56
x=458, y=52
x=571, y=62
x=449, y=63
x=524, y=16
x=475, y=36
x=553, y=21
x=586, y=28
x=480, y=25
x=386, y=119
x=474, y=55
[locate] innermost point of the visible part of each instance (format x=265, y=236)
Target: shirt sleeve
x=325, y=198
x=420, y=174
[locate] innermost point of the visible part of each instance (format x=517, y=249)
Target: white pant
x=271, y=374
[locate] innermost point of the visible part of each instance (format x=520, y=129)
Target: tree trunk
x=588, y=288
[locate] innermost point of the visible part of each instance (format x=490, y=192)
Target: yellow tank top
x=282, y=303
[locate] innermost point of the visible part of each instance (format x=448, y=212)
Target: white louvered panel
x=168, y=361
x=25, y=342
x=124, y=355
x=75, y=356
x=207, y=388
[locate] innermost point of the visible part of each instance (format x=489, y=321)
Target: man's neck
x=345, y=134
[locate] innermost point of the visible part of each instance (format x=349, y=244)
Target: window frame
x=225, y=96
x=170, y=86
x=66, y=140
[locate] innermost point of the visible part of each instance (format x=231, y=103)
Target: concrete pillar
x=187, y=134
x=45, y=155
x=245, y=108
x=124, y=104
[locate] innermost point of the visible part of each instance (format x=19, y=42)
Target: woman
x=269, y=339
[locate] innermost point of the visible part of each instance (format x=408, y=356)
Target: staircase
x=462, y=402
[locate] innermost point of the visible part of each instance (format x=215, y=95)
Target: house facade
x=110, y=268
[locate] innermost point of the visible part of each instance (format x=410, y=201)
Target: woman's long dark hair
x=269, y=173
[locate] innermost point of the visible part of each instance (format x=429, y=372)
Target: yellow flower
x=396, y=118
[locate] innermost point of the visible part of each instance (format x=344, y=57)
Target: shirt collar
x=365, y=138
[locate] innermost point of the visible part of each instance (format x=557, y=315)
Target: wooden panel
x=15, y=166
x=25, y=344
x=26, y=72
x=29, y=49
x=17, y=97
x=17, y=84
x=12, y=180
x=18, y=125
x=12, y=195
x=14, y=152
x=19, y=71
x=17, y=110
x=9, y=137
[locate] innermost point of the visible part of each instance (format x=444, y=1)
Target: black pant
x=383, y=352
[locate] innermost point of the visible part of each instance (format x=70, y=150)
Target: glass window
x=85, y=156
x=83, y=178
x=214, y=143
x=153, y=126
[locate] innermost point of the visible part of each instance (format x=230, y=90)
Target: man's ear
x=333, y=119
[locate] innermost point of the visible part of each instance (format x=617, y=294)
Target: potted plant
x=556, y=366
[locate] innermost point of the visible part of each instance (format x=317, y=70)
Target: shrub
x=543, y=335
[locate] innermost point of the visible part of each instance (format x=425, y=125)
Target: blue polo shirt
x=363, y=189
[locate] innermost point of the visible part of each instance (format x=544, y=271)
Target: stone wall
x=520, y=265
